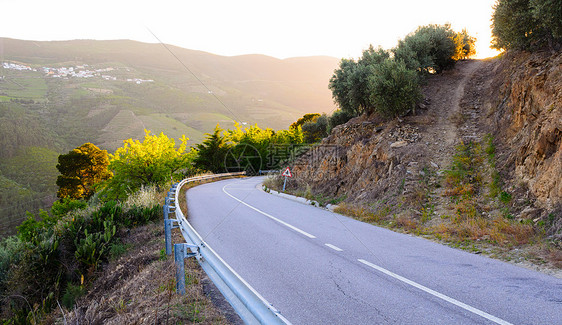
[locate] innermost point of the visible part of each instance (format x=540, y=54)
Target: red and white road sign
x=287, y=173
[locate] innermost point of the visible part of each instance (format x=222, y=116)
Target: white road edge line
x=269, y=215
x=437, y=294
x=336, y=248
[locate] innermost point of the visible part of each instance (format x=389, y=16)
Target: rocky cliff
x=526, y=118
x=402, y=164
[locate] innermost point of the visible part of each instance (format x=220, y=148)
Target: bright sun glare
x=280, y=29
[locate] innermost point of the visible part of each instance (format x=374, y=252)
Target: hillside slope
x=254, y=88
x=479, y=163
x=55, y=96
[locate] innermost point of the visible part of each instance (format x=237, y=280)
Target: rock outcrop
x=527, y=123
x=516, y=98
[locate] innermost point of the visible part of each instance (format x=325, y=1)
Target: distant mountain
x=54, y=96
x=256, y=88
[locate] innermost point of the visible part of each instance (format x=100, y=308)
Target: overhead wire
x=236, y=119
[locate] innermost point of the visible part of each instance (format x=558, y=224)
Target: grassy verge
x=275, y=182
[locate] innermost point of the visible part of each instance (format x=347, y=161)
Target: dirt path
x=444, y=125
x=447, y=119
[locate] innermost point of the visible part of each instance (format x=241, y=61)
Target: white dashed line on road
x=269, y=215
x=336, y=248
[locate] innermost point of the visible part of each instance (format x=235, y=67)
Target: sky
x=281, y=29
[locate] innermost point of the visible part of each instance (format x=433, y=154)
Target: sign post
x=287, y=173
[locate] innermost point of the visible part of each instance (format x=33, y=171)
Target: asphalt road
x=318, y=267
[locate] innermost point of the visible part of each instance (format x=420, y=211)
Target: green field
x=24, y=84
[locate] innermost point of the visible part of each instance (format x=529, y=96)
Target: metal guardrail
x=247, y=302
x=268, y=171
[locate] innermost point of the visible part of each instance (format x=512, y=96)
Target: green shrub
x=505, y=197
x=10, y=253
x=31, y=226
x=430, y=48
x=360, y=86
x=316, y=130
x=527, y=24
x=72, y=293
x=63, y=206
x=339, y=117
x=94, y=247
x=350, y=82
x=117, y=249
x=394, y=88
x=139, y=215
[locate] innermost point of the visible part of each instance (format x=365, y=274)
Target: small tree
x=305, y=118
x=394, y=88
x=527, y=24
x=513, y=25
x=342, y=87
x=80, y=170
x=464, y=45
x=339, y=117
x=151, y=162
x=350, y=83
x=315, y=131
x=212, y=152
x=429, y=48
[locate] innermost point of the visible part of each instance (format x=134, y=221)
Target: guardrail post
x=168, y=225
x=180, y=253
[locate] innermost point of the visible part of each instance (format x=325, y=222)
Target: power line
x=193, y=74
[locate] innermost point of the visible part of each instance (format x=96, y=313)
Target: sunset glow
x=280, y=29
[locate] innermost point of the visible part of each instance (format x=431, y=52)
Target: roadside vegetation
x=479, y=217
x=58, y=255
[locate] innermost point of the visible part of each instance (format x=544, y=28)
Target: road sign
x=287, y=173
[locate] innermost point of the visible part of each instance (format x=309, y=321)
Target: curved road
x=319, y=267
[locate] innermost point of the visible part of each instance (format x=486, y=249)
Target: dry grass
x=147, y=196
x=139, y=288
x=473, y=219
x=407, y=223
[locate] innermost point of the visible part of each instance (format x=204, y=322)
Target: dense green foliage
x=304, y=119
x=316, y=129
x=315, y=126
x=247, y=149
x=388, y=82
x=350, y=83
x=212, y=151
x=81, y=169
x=429, y=49
x=339, y=117
x=527, y=24
x=394, y=88
x=154, y=161
x=54, y=257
